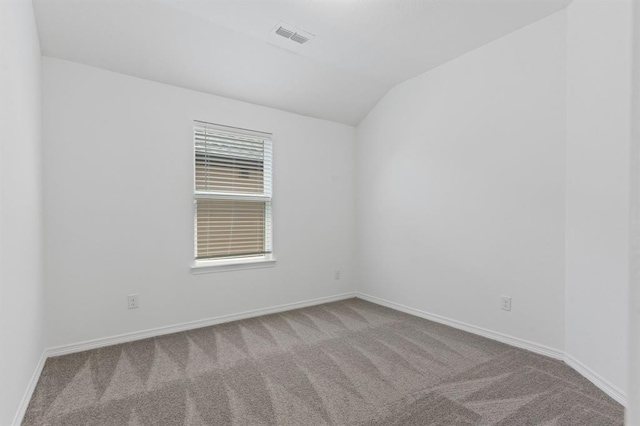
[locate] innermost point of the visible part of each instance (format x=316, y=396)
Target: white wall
x=460, y=181
x=21, y=289
x=633, y=411
x=598, y=178
x=119, y=215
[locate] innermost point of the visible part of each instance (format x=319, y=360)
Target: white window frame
x=203, y=266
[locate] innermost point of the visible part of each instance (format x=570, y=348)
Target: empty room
x=320, y=212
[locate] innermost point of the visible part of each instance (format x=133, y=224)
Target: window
x=232, y=195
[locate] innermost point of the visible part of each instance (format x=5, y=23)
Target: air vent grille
x=292, y=33
x=282, y=31
x=299, y=38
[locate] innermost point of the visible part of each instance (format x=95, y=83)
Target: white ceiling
x=224, y=47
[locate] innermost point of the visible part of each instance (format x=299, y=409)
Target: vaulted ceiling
x=227, y=47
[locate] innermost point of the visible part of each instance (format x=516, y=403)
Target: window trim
x=240, y=262
x=232, y=264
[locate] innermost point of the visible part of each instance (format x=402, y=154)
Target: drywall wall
x=598, y=178
x=460, y=179
x=21, y=284
x=119, y=206
x=633, y=406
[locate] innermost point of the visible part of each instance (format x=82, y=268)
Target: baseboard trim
x=589, y=374
x=159, y=331
x=26, y=398
x=494, y=335
x=596, y=379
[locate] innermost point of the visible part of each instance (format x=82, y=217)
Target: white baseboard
x=596, y=379
x=589, y=374
x=494, y=335
x=159, y=331
x=26, y=398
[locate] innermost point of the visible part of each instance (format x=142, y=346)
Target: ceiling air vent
x=282, y=31
x=292, y=33
x=298, y=38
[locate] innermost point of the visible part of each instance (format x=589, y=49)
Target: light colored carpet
x=343, y=363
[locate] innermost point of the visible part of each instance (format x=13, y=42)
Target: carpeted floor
x=343, y=363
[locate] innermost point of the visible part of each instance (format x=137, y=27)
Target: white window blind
x=233, y=174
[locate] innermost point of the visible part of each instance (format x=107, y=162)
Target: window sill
x=222, y=265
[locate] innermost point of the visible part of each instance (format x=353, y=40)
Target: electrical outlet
x=132, y=300
x=506, y=303
x=336, y=275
